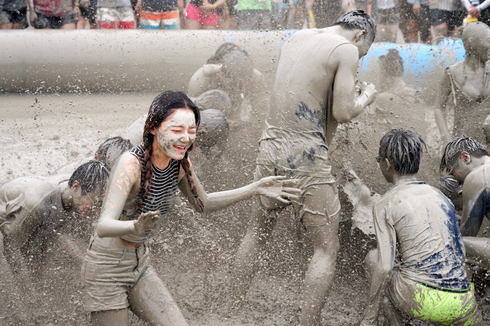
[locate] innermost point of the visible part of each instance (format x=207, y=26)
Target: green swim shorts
x=440, y=306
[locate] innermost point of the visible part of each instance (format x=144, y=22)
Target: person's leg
x=151, y=301
x=82, y=21
x=438, y=20
x=477, y=251
x=321, y=218
x=423, y=21
x=258, y=232
x=110, y=318
x=193, y=17
x=6, y=19
x=68, y=21
x=6, y=26
x=413, y=31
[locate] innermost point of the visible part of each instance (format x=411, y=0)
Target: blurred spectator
x=12, y=14
x=87, y=14
x=202, y=14
x=115, y=14
x=326, y=12
x=53, y=14
x=446, y=17
x=279, y=14
x=416, y=14
x=385, y=13
x=478, y=10
x=159, y=14
x=254, y=15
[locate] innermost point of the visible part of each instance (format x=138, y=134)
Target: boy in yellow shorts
x=418, y=224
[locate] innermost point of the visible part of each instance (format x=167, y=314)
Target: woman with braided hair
x=117, y=274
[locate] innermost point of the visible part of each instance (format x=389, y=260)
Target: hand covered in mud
x=276, y=187
x=369, y=90
x=146, y=221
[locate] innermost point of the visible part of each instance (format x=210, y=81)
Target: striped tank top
x=161, y=196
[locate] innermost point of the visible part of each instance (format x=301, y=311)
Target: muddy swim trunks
x=438, y=305
x=298, y=155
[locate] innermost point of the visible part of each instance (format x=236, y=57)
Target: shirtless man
x=469, y=162
x=420, y=223
x=314, y=91
x=466, y=86
x=231, y=70
x=33, y=209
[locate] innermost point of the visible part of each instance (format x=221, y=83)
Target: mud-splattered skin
x=253, y=87
x=466, y=87
x=149, y=298
x=420, y=223
x=32, y=211
x=314, y=90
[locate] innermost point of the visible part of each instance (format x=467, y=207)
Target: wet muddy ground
x=194, y=254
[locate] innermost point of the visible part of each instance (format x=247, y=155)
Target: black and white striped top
x=161, y=196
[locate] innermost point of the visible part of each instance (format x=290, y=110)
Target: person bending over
x=469, y=162
x=418, y=267
x=314, y=91
x=117, y=273
x=34, y=209
x=231, y=70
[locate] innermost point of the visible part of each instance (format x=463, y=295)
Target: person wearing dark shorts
x=12, y=14
x=87, y=14
x=53, y=15
x=417, y=14
x=446, y=18
x=385, y=13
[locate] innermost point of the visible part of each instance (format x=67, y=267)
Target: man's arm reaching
x=346, y=103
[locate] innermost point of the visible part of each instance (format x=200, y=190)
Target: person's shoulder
x=34, y=189
x=477, y=176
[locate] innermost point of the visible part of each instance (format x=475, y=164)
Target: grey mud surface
x=194, y=254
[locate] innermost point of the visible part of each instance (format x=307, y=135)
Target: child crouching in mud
x=117, y=274
x=430, y=282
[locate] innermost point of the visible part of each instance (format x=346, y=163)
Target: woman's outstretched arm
x=273, y=187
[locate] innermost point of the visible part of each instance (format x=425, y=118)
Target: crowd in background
x=425, y=21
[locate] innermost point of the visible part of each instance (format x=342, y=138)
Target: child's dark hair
x=91, y=176
x=161, y=108
x=403, y=148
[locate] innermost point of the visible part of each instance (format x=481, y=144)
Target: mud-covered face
x=176, y=134
x=88, y=204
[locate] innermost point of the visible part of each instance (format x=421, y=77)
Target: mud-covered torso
x=427, y=232
x=31, y=206
x=476, y=200
x=300, y=118
x=161, y=196
x=470, y=111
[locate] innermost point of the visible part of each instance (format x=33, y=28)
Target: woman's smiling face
x=176, y=134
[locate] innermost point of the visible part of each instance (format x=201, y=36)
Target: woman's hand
x=276, y=187
x=146, y=221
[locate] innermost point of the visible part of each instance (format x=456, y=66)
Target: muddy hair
x=403, y=148
x=455, y=147
x=110, y=150
x=223, y=50
x=91, y=176
x=358, y=19
x=449, y=186
x=161, y=108
x=392, y=63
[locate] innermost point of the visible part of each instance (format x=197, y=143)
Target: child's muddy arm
x=346, y=104
x=123, y=181
x=386, y=238
x=440, y=108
